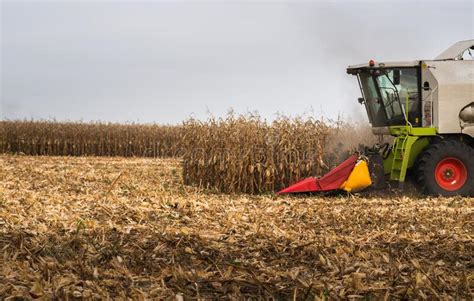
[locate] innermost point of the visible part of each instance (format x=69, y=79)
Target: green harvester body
x=408, y=144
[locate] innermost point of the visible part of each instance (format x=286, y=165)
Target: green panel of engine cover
x=408, y=130
x=416, y=150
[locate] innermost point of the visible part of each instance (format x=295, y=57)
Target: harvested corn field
x=97, y=228
x=89, y=139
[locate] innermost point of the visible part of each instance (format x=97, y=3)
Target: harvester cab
x=428, y=108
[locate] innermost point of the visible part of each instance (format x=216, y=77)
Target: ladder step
x=399, y=158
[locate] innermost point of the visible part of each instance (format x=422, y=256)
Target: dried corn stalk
x=246, y=154
x=88, y=139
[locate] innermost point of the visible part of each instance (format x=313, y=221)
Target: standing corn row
x=88, y=139
x=246, y=154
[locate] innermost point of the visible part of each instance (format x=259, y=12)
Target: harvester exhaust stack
x=336, y=179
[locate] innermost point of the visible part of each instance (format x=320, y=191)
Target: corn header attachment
x=352, y=175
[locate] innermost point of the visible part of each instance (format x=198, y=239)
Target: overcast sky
x=165, y=61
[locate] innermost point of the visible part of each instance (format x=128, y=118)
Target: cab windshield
x=390, y=94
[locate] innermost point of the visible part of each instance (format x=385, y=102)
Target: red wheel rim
x=451, y=174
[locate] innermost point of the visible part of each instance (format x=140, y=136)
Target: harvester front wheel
x=447, y=168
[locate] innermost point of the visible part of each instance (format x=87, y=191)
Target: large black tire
x=446, y=168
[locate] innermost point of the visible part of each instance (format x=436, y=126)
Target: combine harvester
x=428, y=106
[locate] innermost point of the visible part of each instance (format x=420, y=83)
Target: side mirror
x=396, y=76
x=361, y=100
x=426, y=86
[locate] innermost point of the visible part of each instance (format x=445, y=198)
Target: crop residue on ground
x=128, y=228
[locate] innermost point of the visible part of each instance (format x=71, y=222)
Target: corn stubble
x=96, y=228
x=246, y=154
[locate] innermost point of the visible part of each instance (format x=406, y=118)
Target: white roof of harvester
x=452, y=53
x=387, y=64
